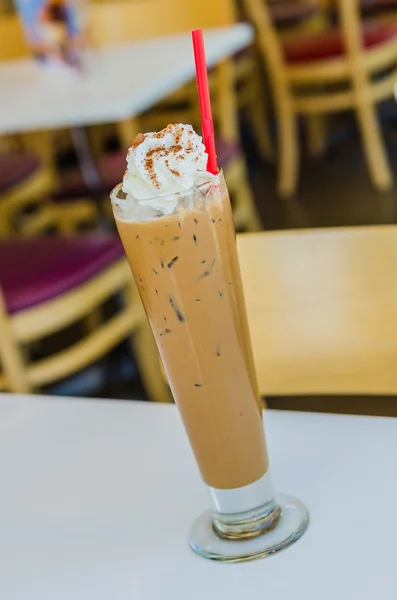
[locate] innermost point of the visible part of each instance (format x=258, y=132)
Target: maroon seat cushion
x=112, y=167
x=33, y=271
x=15, y=167
x=329, y=44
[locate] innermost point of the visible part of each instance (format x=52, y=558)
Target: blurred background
x=306, y=125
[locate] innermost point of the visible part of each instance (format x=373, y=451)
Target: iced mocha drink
x=176, y=225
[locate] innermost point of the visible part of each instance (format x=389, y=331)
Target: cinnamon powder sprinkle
x=149, y=164
x=176, y=150
x=139, y=139
x=160, y=134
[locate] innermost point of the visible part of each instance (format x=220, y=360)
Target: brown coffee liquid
x=186, y=269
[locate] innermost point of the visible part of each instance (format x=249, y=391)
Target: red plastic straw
x=207, y=124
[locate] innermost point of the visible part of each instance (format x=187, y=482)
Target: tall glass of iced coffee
x=176, y=225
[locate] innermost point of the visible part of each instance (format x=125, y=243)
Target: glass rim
x=121, y=201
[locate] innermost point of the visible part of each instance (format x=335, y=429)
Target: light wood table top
x=322, y=307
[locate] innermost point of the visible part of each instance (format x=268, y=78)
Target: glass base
x=293, y=522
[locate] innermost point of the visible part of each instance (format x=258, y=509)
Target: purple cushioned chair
x=47, y=284
x=37, y=270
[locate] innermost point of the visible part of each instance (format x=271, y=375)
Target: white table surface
x=121, y=82
x=97, y=498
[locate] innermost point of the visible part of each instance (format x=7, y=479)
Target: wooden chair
x=322, y=309
x=327, y=72
x=290, y=18
x=48, y=284
x=25, y=188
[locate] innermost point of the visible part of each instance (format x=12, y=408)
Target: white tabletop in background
x=97, y=498
x=121, y=82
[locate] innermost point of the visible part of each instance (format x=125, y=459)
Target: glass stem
x=245, y=512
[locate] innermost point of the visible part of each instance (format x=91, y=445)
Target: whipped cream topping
x=165, y=163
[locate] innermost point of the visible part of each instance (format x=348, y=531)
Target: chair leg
x=147, y=356
x=316, y=126
x=257, y=113
x=374, y=146
x=245, y=213
x=11, y=357
x=288, y=146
